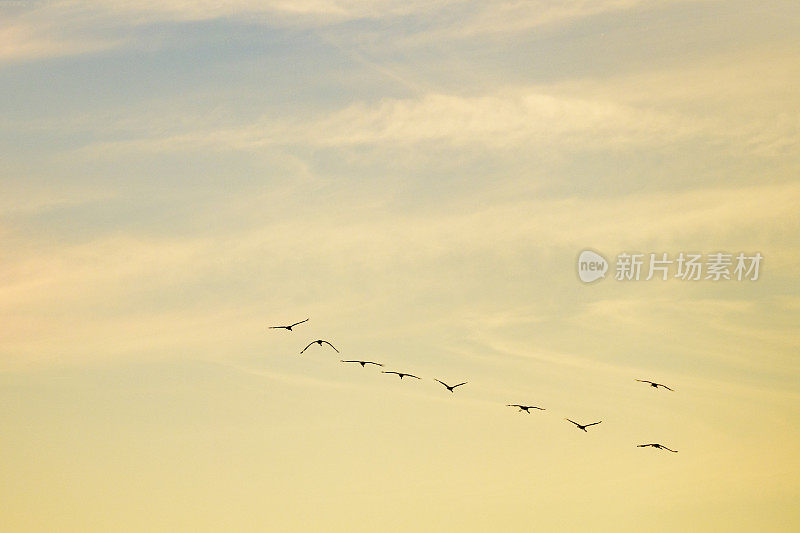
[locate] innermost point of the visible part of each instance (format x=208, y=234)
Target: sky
x=418, y=179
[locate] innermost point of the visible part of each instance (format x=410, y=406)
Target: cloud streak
x=495, y=122
x=68, y=27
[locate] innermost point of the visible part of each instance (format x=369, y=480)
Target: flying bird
x=525, y=408
x=582, y=426
x=320, y=342
x=289, y=328
x=362, y=363
x=401, y=375
x=653, y=384
x=656, y=445
x=448, y=387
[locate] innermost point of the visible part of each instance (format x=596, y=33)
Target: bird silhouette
x=656, y=445
x=320, y=342
x=401, y=375
x=653, y=384
x=289, y=328
x=362, y=363
x=448, y=387
x=525, y=408
x=582, y=426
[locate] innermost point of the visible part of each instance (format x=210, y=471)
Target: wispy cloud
x=69, y=27
x=27, y=40
x=497, y=121
x=497, y=16
x=178, y=287
x=639, y=113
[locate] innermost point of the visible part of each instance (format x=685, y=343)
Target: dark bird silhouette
x=653, y=384
x=320, y=342
x=289, y=328
x=448, y=387
x=656, y=445
x=526, y=408
x=362, y=363
x=401, y=375
x=582, y=426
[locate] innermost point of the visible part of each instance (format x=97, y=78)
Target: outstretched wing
x=644, y=381
x=665, y=387
x=373, y=363
x=278, y=327
x=348, y=361
x=390, y=372
x=306, y=348
x=673, y=451
x=592, y=424
x=454, y=386
x=442, y=382
x=331, y=345
x=567, y=419
x=413, y=376
x=293, y=325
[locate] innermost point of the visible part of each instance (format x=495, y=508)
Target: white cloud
x=747, y=97
x=507, y=119
x=70, y=27
x=26, y=41
x=495, y=16
x=59, y=297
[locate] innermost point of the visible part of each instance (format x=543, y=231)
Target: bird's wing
x=348, y=361
x=442, y=382
x=539, y=408
x=642, y=445
x=277, y=327
x=390, y=372
x=592, y=424
x=413, y=376
x=644, y=381
x=306, y=348
x=454, y=386
x=331, y=345
x=666, y=387
x=673, y=451
x=573, y=422
x=293, y=325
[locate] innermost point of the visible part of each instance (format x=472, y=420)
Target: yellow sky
x=418, y=178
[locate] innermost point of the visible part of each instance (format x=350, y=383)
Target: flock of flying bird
x=522, y=408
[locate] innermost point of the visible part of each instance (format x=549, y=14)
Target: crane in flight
x=449, y=387
x=362, y=363
x=656, y=445
x=320, y=342
x=401, y=375
x=526, y=408
x=289, y=327
x=582, y=426
x=653, y=383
